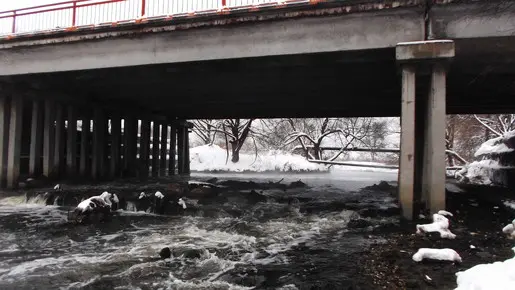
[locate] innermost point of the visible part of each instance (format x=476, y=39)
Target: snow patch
x=493, y=146
x=510, y=204
x=436, y=254
x=498, y=276
x=510, y=230
x=182, y=203
x=159, y=195
x=213, y=158
x=141, y=195
x=440, y=224
x=444, y=213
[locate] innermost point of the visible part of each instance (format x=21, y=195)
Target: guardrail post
x=143, y=7
x=14, y=22
x=74, y=14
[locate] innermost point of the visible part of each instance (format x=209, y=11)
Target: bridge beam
x=422, y=159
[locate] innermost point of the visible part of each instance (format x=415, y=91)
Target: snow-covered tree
x=312, y=134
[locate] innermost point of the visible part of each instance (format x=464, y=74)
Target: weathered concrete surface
x=358, y=31
x=472, y=19
x=425, y=50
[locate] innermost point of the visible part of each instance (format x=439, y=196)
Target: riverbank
x=479, y=216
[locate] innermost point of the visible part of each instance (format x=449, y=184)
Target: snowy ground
x=213, y=158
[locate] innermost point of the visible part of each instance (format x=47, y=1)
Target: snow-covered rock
x=159, y=195
x=182, y=203
x=498, y=276
x=510, y=230
x=440, y=224
x=436, y=254
x=444, y=213
x=142, y=195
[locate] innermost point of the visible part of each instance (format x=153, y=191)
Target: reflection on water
x=266, y=245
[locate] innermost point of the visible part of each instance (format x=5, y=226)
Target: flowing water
x=231, y=245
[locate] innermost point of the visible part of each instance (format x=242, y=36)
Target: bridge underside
x=363, y=83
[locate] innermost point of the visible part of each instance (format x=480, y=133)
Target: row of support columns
x=65, y=141
x=423, y=115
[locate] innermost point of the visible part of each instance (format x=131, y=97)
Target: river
x=231, y=245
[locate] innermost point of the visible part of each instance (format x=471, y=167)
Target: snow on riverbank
x=213, y=158
x=498, y=276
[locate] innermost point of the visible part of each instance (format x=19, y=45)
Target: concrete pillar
x=429, y=176
x=116, y=138
x=85, y=145
x=434, y=165
x=407, y=156
x=49, y=138
x=164, y=149
x=173, y=148
x=180, y=149
x=71, y=142
x=36, y=138
x=155, y=149
x=59, y=140
x=5, y=117
x=186, y=150
x=144, y=148
x=15, y=137
x=99, y=144
x=130, y=136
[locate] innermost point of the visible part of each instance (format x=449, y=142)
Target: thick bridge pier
x=42, y=136
x=422, y=161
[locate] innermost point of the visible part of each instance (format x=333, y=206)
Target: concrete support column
x=36, y=139
x=187, y=150
x=116, y=138
x=180, y=149
x=407, y=144
x=429, y=177
x=15, y=137
x=433, y=187
x=59, y=141
x=71, y=142
x=130, y=137
x=155, y=149
x=173, y=148
x=164, y=149
x=5, y=117
x=49, y=139
x=85, y=145
x=144, y=148
x=99, y=144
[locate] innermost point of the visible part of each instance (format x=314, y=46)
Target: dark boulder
x=165, y=253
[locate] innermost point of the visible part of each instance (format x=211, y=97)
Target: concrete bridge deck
x=334, y=58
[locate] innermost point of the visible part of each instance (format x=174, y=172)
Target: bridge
x=146, y=66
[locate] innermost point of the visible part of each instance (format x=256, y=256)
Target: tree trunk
x=235, y=152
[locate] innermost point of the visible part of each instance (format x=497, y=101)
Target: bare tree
x=311, y=133
x=497, y=124
x=236, y=132
x=206, y=129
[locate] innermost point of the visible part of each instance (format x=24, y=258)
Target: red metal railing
x=74, y=14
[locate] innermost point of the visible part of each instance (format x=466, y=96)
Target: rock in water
x=165, y=253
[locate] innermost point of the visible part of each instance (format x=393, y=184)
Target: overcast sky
x=15, y=4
